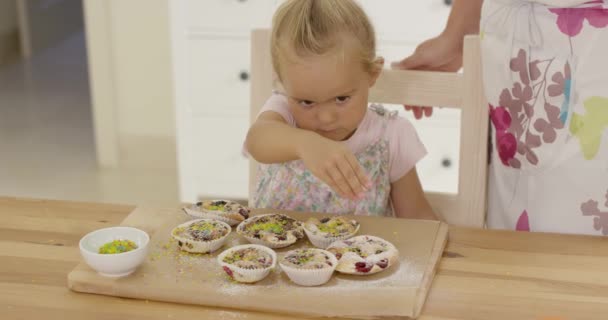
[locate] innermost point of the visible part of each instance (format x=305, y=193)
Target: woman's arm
x=464, y=18
x=408, y=198
x=444, y=52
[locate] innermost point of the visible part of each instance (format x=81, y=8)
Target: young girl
x=320, y=147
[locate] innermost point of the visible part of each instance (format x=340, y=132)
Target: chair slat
x=418, y=88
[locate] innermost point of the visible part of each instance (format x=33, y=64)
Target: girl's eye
x=342, y=99
x=306, y=103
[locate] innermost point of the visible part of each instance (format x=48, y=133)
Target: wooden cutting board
x=172, y=276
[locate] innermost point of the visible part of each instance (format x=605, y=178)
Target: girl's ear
x=376, y=70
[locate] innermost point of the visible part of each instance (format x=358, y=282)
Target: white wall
x=131, y=83
x=143, y=74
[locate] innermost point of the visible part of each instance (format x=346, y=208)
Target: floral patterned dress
x=546, y=80
x=291, y=186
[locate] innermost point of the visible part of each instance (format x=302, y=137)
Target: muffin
x=271, y=230
x=364, y=255
x=201, y=235
x=325, y=231
x=247, y=263
x=227, y=211
x=309, y=267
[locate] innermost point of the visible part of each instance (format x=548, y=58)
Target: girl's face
x=328, y=93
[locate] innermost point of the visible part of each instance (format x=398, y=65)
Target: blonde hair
x=315, y=27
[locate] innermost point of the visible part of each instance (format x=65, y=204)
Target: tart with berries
x=271, y=230
x=201, y=235
x=325, y=231
x=247, y=263
x=309, y=267
x=227, y=211
x=363, y=255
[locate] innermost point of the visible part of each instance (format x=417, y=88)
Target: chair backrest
x=452, y=90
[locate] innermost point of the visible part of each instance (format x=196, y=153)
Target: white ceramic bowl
x=117, y=264
x=247, y=275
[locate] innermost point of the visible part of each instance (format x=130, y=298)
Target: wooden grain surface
x=483, y=274
x=173, y=277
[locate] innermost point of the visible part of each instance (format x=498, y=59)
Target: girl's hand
x=335, y=165
x=442, y=53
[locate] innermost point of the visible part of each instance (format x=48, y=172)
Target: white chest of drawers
x=210, y=41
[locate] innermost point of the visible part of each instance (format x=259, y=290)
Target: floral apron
x=291, y=186
x=546, y=80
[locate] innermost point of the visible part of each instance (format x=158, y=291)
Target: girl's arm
x=271, y=140
x=408, y=198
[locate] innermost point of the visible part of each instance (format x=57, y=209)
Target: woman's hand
x=442, y=53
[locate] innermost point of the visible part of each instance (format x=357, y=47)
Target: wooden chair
x=452, y=90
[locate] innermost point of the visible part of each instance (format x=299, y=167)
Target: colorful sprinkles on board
x=186, y=263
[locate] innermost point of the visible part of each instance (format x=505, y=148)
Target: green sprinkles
x=333, y=227
x=117, y=246
x=273, y=227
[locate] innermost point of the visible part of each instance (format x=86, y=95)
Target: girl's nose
x=326, y=114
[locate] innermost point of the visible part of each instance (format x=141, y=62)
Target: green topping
x=304, y=259
x=357, y=251
x=304, y=256
x=308, y=258
x=201, y=231
x=215, y=208
x=117, y=246
x=219, y=205
x=331, y=227
x=273, y=227
x=248, y=257
x=202, y=226
x=178, y=231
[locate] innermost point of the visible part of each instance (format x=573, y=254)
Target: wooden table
x=483, y=275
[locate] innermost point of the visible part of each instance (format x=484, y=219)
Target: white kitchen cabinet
x=210, y=42
x=218, y=76
x=218, y=161
x=236, y=16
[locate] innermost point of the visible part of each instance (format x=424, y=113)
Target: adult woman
x=546, y=80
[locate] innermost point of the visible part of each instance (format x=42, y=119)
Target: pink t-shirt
x=405, y=148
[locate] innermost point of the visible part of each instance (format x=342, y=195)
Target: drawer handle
x=447, y=2
x=446, y=163
x=244, y=75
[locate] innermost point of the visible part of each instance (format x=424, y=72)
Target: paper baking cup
x=215, y=215
x=194, y=246
x=272, y=245
x=347, y=262
x=322, y=242
x=311, y=277
x=247, y=275
x=240, y=229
